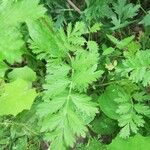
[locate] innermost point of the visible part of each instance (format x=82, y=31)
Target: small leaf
x=123, y=43
x=142, y=109
x=96, y=27
x=125, y=131
x=124, y=108
x=113, y=39
x=108, y=51
x=146, y=19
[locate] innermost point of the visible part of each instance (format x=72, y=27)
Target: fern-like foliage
x=136, y=67
x=96, y=7
x=131, y=110
x=49, y=42
x=128, y=106
x=66, y=109
x=123, y=12
x=85, y=64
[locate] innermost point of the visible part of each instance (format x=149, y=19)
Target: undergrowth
x=74, y=75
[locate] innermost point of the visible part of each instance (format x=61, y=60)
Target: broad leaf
x=24, y=73
x=107, y=102
x=146, y=20
x=11, y=15
x=16, y=97
x=137, y=142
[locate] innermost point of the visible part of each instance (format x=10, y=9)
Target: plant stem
x=142, y=7
x=74, y=6
x=108, y=83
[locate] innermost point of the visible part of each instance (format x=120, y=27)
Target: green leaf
x=93, y=144
x=123, y=43
x=21, y=11
x=142, y=109
x=132, y=47
x=57, y=103
x=141, y=96
x=21, y=143
x=124, y=10
x=137, y=142
x=130, y=113
x=13, y=37
x=24, y=73
x=146, y=19
x=125, y=131
x=104, y=125
x=46, y=41
x=43, y=41
x=16, y=97
x=3, y=68
x=12, y=14
x=81, y=83
x=56, y=80
x=130, y=122
x=85, y=67
x=113, y=39
x=136, y=67
x=108, y=51
x=123, y=13
x=74, y=36
x=62, y=119
x=124, y=108
x=96, y=27
x=84, y=104
x=107, y=102
x=95, y=8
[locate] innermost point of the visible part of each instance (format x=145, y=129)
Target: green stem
x=70, y=88
x=108, y=83
x=74, y=6
x=141, y=7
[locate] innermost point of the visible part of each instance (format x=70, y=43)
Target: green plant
x=74, y=80
x=66, y=109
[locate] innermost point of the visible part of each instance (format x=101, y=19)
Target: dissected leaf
x=123, y=13
x=138, y=67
